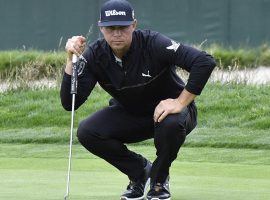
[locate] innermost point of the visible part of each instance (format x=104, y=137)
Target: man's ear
x=134, y=24
x=101, y=29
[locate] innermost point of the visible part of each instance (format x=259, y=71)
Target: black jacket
x=148, y=74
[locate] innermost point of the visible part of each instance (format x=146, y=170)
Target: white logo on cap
x=114, y=12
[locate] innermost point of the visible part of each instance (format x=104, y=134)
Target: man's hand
x=171, y=106
x=74, y=45
x=165, y=107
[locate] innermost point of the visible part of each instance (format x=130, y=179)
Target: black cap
x=116, y=13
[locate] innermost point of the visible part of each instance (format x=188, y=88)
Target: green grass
x=200, y=137
x=42, y=108
x=219, y=106
x=235, y=116
x=38, y=171
x=235, y=105
x=226, y=157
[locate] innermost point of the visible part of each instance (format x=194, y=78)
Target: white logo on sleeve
x=114, y=12
x=174, y=46
x=81, y=65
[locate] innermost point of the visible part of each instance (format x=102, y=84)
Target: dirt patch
x=257, y=76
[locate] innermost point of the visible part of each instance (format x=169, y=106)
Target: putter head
x=66, y=197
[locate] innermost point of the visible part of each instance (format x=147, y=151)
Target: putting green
x=26, y=176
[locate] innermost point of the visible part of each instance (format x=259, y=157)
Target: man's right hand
x=74, y=45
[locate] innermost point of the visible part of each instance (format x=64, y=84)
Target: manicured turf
x=38, y=171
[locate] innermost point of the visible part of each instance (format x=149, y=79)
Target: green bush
x=36, y=63
x=235, y=58
x=265, y=55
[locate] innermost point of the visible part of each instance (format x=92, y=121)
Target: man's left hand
x=166, y=107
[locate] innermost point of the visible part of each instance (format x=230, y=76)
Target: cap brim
x=115, y=23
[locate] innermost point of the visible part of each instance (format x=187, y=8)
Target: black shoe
x=159, y=191
x=136, y=189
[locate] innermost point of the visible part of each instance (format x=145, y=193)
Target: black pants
x=105, y=132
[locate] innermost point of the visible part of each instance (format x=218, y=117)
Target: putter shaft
x=73, y=92
x=70, y=147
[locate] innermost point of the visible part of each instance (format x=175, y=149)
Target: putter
x=73, y=91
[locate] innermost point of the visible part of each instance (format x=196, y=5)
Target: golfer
x=149, y=100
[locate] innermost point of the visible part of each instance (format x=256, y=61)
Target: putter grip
x=74, y=75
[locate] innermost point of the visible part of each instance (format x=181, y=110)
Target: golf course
x=61, y=62
x=226, y=157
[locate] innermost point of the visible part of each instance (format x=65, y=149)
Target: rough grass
x=244, y=57
x=235, y=105
x=235, y=116
x=30, y=64
x=241, y=106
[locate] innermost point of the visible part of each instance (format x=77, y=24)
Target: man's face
x=118, y=37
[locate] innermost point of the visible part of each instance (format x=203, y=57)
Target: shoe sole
x=155, y=198
x=147, y=184
x=125, y=198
